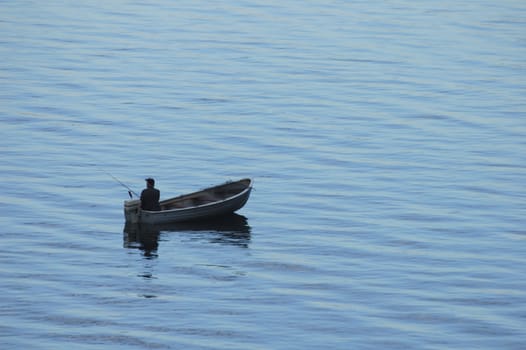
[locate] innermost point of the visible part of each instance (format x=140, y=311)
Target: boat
x=208, y=203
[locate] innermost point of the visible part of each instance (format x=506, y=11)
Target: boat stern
x=132, y=210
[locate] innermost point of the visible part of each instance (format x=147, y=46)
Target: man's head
x=150, y=182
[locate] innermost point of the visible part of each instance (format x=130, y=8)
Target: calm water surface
x=386, y=141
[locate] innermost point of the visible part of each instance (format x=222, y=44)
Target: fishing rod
x=130, y=191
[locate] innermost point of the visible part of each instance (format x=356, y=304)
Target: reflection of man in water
x=150, y=196
x=143, y=237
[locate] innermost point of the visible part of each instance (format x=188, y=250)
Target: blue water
x=387, y=145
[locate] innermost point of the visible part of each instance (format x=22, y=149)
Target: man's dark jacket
x=150, y=199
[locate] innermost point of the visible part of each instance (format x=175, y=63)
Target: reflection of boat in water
x=233, y=223
x=231, y=229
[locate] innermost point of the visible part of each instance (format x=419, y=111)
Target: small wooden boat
x=208, y=203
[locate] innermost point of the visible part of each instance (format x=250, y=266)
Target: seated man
x=150, y=196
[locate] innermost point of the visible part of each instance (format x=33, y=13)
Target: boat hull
x=213, y=208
